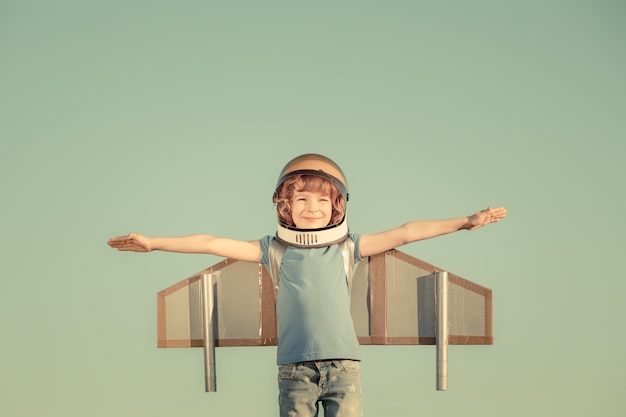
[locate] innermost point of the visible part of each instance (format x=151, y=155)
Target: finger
x=500, y=212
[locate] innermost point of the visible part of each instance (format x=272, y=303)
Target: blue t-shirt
x=313, y=304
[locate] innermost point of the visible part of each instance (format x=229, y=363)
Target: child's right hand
x=131, y=242
x=484, y=217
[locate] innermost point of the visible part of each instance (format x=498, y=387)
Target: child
x=318, y=351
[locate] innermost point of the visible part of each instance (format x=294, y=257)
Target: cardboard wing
x=396, y=300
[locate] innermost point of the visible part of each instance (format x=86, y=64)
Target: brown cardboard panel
x=393, y=303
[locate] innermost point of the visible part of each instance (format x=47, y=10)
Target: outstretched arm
x=426, y=229
x=228, y=248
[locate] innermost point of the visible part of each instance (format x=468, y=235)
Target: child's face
x=311, y=210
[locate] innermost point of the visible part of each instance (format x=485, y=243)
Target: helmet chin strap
x=313, y=238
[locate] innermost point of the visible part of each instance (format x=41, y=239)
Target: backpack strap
x=277, y=250
x=275, y=254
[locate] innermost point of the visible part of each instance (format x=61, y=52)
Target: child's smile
x=311, y=210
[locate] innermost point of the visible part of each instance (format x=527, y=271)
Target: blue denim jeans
x=336, y=384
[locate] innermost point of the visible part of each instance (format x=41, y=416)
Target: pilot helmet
x=322, y=166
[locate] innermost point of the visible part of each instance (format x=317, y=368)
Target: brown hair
x=309, y=183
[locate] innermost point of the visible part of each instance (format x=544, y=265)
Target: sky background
x=171, y=118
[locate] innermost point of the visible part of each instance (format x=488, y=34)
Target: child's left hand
x=484, y=217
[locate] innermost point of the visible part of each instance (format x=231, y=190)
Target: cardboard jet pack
x=396, y=300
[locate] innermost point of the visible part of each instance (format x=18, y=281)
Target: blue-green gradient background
x=170, y=118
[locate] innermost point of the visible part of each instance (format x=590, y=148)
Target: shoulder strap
x=275, y=254
x=347, y=251
x=277, y=250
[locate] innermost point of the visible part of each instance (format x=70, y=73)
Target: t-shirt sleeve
x=356, y=238
x=265, y=242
